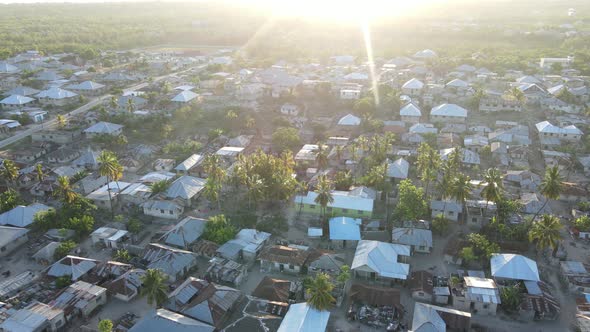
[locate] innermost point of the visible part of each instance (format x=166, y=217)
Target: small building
x=56, y=96
x=345, y=232
x=73, y=266
x=22, y=216
x=165, y=320
x=80, y=299
x=513, y=267
x=103, y=128
x=483, y=295
x=327, y=262
x=175, y=263
x=285, y=259
x=381, y=262
x=188, y=164
x=289, y=109
x=448, y=113
x=163, y=165
x=276, y=290
x=349, y=121
x=185, y=233
x=301, y=317
x=356, y=203
x=12, y=238
x=226, y=271
x=126, y=286
x=398, y=169
x=186, y=188
x=421, y=285
x=35, y=317
x=420, y=240
x=246, y=245
x=410, y=113
x=413, y=87
x=577, y=275
x=109, y=237
x=428, y=317
x=63, y=155
x=539, y=303
x=448, y=209
x=350, y=94
x=163, y=209
x=106, y=197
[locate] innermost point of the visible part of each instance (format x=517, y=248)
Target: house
x=56, y=96
x=88, y=88
x=73, y=266
x=28, y=155
x=22, y=216
x=189, y=163
x=349, y=120
x=276, y=290
x=327, y=262
x=421, y=285
x=226, y=271
x=166, y=320
x=80, y=299
x=229, y=154
x=306, y=156
x=45, y=254
x=109, y=237
x=381, y=262
x=482, y=294
x=289, y=109
x=475, y=143
x=16, y=101
x=246, y=245
x=534, y=204
x=538, y=303
x=419, y=240
x=345, y=231
x=573, y=192
x=350, y=94
x=184, y=97
x=410, y=113
x=577, y=276
x=175, y=263
x=468, y=157
x=186, y=188
x=448, y=113
x=126, y=286
x=428, y=317
x=135, y=194
x=88, y=160
x=548, y=63
x=398, y=169
x=525, y=180
x=11, y=238
x=153, y=177
x=301, y=317
x=357, y=203
x=103, y=128
x=285, y=259
x=480, y=212
x=106, y=196
x=568, y=133
x=163, y=164
x=449, y=209
x=204, y=301
x=34, y=317
x=413, y=87
x=185, y=232
x=513, y=267
x=63, y=155
x=125, y=101
x=163, y=209
x=500, y=103
x=56, y=136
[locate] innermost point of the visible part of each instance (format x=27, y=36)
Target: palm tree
x=324, y=191
x=517, y=95
x=61, y=121
x=322, y=157
x=130, y=105
x=546, y=233
x=153, y=286
x=65, y=191
x=111, y=169
x=40, y=174
x=320, y=292
x=9, y=171
x=159, y=186
x=122, y=256
x=113, y=104
x=550, y=187
x=461, y=189
x=492, y=191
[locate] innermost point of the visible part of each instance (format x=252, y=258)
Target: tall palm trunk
x=110, y=198
x=541, y=209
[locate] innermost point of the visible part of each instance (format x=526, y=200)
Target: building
x=175, y=263
x=22, y=216
x=433, y=318
x=482, y=294
x=448, y=209
x=513, y=267
x=410, y=113
x=103, y=128
x=448, y=113
x=413, y=87
x=166, y=320
x=80, y=299
x=303, y=318
x=276, y=290
x=107, y=196
x=185, y=233
x=382, y=262
x=11, y=238
x=577, y=275
x=398, y=169
x=285, y=259
x=246, y=245
x=421, y=285
x=419, y=240
x=226, y=271
x=73, y=266
x=350, y=94
x=568, y=133
x=357, y=203
x=189, y=163
x=126, y=286
x=56, y=136
x=35, y=317
x=109, y=237
x=186, y=188
x=345, y=232
x=290, y=109
x=163, y=209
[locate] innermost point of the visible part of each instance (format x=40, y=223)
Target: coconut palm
x=517, y=95
x=461, y=189
x=324, y=191
x=546, y=233
x=130, y=105
x=9, y=171
x=320, y=292
x=550, y=187
x=492, y=191
x=153, y=286
x=61, y=121
x=159, y=187
x=64, y=190
x=113, y=104
x=110, y=168
x=322, y=157
x=40, y=174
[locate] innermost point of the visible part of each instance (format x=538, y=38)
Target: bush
x=63, y=249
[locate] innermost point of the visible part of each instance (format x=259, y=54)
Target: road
x=84, y=108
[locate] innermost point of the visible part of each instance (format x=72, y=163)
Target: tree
x=82, y=225
x=343, y=180
x=61, y=121
x=344, y=275
x=461, y=190
x=219, y=230
x=285, y=138
x=122, y=256
x=134, y=226
x=63, y=281
x=130, y=105
x=113, y=103
x=516, y=94
x=582, y=223
x=153, y=287
x=9, y=200
x=324, y=194
x=215, y=177
x=467, y=254
x=510, y=297
x=9, y=172
x=492, y=191
x=321, y=157
x=64, y=190
x=320, y=292
x=551, y=187
x=63, y=249
x=40, y=174
x=110, y=168
x=105, y=325
x=411, y=204
x=546, y=233
x=428, y=163
x=440, y=224
x=159, y=187
x=364, y=106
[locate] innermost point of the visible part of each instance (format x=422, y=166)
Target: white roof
x=10, y=234
x=103, y=128
x=349, y=120
x=86, y=86
x=22, y=216
x=412, y=236
x=184, y=87
x=414, y=83
x=342, y=200
x=345, y=228
x=410, y=110
x=449, y=110
x=381, y=257
x=185, y=187
x=457, y=83
x=23, y=91
x=189, y=163
x=5, y=67
x=229, y=151
x=513, y=266
x=16, y=100
x=185, y=96
x=423, y=128
x=398, y=169
x=469, y=157
x=427, y=317
x=482, y=290
x=102, y=193
x=9, y=123
x=56, y=93
x=547, y=127
x=425, y=54
x=166, y=320
x=301, y=317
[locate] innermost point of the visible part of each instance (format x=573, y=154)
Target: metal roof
x=301, y=317
x=169, y=321
x=381, y=258
x=513, y=266
x=344, y=228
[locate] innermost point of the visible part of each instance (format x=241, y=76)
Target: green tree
x=411, y=204
x=440, y=224
x=154, y=287
x=105, y=325
x=320, y=292
x=516, y=94
x=62, y=122
x=510, y=298
x=461, y=191
x=122, y=256
x=482, y=247
x=467, y=255
x=64, y=190
x=492, y=190
x=285, y=138
x=63, y=249
x=219, y=230
x=9, y=172
x=215, y=178
x=110, y=168
x=130, y=105
x=63, y=282
x=364, y=106
x=134, y=226
x=582, y=223
x=343, y=180
x=344, y=275
x=428, y=164
x=551, y=187
x=159, y=187
x=321, y=156
x=82, y=225
x=9, y=200
x=546, y=233
x=324, y=194
x=40, y=173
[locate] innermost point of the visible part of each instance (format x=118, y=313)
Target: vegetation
x=122, y=256
x=9, y=200
x=582, y=223
x=324, y=194
x=343, y=180
x=159, y=187
x=63, y=282
x=411, y=204
x=492, y=191
x=440, y=224
x=219, y=230
x=105, y=325
x=480, y=249
x=320, y=292
x=546, y=233
x=63, y=249
x=344, y=275
x=510, y=297
x=154, y=287
x=550, y=187
x=9, y=172
x=428, y=164
x=110, y=168
x=285, y=138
